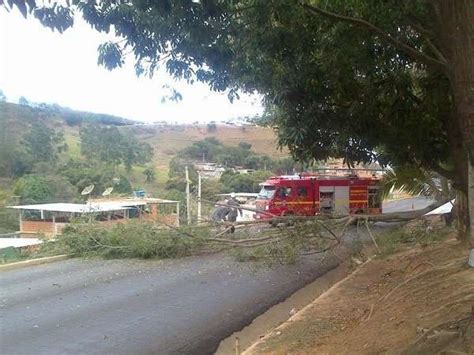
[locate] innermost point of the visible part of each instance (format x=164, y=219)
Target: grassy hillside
x=167, y=140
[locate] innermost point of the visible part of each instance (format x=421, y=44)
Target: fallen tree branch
x=320, y=251
x=245, y=208
x=372, y=236
x=260, y=243
x=403, y=216
x=241, y=240
x=385, y=217
x=221, y=233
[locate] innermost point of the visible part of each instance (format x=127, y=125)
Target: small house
x=50, y=219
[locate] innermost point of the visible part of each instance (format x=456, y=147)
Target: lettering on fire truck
x=309, y=195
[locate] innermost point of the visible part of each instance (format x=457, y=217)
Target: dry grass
x=169, y=140
x=415, y=302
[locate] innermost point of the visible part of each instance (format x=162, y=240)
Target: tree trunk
x=462, y=215
x=470, y=229
x=457, y=36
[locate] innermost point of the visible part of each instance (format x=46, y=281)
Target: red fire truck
x=312, y=194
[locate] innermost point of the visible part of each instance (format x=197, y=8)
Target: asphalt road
x=183, y=306
x=407, y=204
x=137, y=307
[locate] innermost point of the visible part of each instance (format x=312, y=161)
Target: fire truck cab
x=309, y=195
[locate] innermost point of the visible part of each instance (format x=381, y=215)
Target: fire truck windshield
x=266, y=192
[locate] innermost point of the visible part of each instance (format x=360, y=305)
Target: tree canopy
x=363, y=80
x=44, y=144
x=110, y=146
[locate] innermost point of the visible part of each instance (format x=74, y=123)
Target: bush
x=36, y=188
x=8, y=221
x=397, y=239
x=33, y=188
x=243, y=182
x=82, y=174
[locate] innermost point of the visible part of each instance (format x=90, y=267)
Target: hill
x=166, y=139
x=36, y=165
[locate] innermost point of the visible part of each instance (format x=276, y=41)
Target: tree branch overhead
x=410, y=51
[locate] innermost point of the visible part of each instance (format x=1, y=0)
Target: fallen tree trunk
x=403, y=216
x=385, y=217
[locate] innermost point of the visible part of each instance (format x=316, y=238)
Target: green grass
x=73, y=142
x=418, y=233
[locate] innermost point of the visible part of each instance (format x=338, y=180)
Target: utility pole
x=199, y=219
x=188, y=197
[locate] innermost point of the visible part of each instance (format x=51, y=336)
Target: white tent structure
x=446, y=208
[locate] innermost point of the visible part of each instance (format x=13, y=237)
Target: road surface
x=127, y=306
x=407, y=204
x=183, y=306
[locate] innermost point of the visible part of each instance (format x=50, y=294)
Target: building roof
x=18, y=242
x=92, y=206
x=73, y=207
x=240, y=194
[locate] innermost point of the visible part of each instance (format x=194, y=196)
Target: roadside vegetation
x=416, y=233
x=130, y=240
x=414, y=302
x=153, y=240
x=255, y=242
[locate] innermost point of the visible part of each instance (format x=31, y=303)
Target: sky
x=46, y=66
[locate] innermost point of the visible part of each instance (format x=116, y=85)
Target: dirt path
x=416, y=302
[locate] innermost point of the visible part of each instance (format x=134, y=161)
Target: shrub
x=37, y=188
x=33, y=188
x=396, y=239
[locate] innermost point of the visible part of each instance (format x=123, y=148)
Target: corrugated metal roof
x=18, y=242
x=93, y=206
x=74, y=207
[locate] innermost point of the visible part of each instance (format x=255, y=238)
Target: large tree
x=44, y=144
x=110, y=146
x=365, y=80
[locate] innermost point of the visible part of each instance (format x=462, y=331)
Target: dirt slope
x=417, y=302
x=167, y=140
